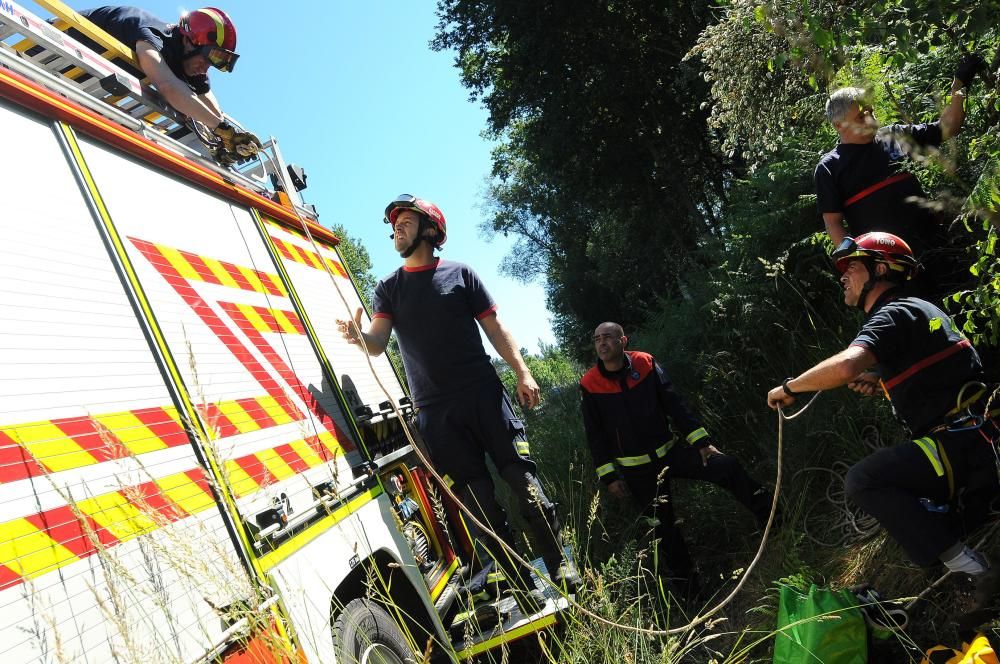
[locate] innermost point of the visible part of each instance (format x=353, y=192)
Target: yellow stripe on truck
x=49, y=445
x=28, y=551
x=132, y=433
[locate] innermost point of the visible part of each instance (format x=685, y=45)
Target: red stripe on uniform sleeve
x=379, y=314
x=486, y=313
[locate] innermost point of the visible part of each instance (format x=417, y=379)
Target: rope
x=514, y=555
x=852, y=525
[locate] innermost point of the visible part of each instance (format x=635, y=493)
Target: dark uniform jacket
x=628, y=415
x=923, y=360
x=870, y=185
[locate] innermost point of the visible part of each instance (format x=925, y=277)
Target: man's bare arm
x=953, y=115
x=834, y=222
x=376, y=337
x=211, y=102
x=174, y=90
x=834, y=371
x=503, y=341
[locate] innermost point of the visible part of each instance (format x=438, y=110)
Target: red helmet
x=212, y=31
x=881, y=247
x=426, y=208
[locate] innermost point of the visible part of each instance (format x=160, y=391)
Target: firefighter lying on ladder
x=930, y=373
x=176, y=60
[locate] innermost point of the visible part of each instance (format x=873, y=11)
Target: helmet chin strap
x=869, y=285
x=873, y=279
x=424, y=225
x=406, y=253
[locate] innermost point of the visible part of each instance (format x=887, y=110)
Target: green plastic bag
x=820, y=627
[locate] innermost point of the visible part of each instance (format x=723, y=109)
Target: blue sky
x=355, y=95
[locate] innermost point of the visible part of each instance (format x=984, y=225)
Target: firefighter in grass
x=629, y=408
x=436, y=308
x=176, y=59
x=866, y=183
x=909, y=348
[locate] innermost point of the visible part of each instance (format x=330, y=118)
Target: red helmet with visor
x=421, y=206
x=213, y=34
x=878, y=246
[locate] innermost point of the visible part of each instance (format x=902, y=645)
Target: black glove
x=223, y=156
x=969, y=65
x=246, y=144
x=241, y=145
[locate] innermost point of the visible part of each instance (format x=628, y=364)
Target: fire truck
x=194, y=464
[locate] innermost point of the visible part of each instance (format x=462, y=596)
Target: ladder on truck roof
x=43, y=52
x=96, y=74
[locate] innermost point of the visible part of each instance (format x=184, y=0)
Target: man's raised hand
x=351, y=329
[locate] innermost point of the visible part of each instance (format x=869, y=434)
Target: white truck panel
x=90, y=446
x=323, y=302
x=171, y=231
x=307, y=588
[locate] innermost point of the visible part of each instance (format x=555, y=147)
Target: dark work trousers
x=460, y=432
x=890, y=483
x=651, y=492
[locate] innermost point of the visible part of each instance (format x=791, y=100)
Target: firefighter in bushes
x=437, y=308
x=910, y=349
x=176, y=59
x=865, y=182
x=629, y=408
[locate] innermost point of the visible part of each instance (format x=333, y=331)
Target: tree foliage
x=357, y=258
x=641, y=143
x=655, y=167
x=604, y=169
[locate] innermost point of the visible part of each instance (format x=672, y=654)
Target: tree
x=605, y=166
x=360, y=263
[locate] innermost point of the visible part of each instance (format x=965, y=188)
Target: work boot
x=477, y=619
x=529, y=602
x=567, y=577
x=761, y=508
x=564, y=574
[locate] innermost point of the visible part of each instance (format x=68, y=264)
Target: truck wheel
x=364, y=633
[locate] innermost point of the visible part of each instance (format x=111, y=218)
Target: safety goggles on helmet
x=218, y=57
x=882, y=247
x=401, y=202
x=847, y=248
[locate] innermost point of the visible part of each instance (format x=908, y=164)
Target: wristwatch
x=788, y=390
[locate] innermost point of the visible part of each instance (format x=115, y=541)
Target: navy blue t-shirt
x=131, y=25
x=898, y=207
x=434, y=309
x=923, y=360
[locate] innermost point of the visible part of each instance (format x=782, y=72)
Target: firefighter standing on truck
x=176, y=59
x=629, y=407
x=464, y=412
x=930, y=373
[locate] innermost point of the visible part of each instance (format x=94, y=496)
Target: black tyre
x=364, y=633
